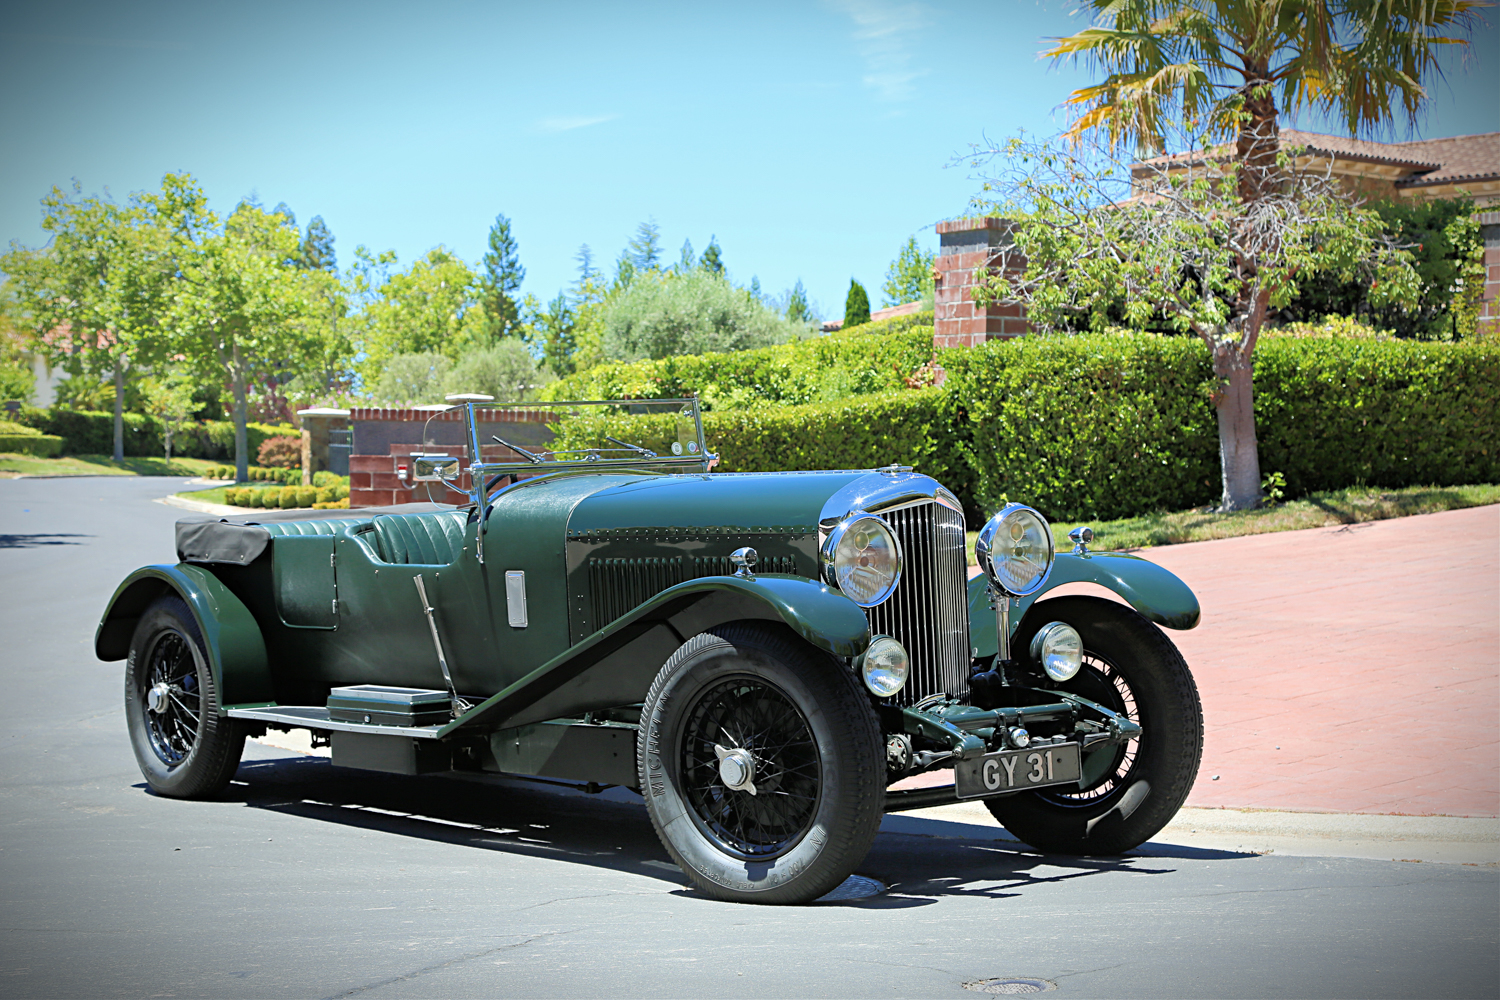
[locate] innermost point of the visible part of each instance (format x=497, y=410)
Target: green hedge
x=41, y=445
x=1115, y=426
x=86, y=432
x=874, y=358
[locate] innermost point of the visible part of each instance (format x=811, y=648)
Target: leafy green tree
x=505, y=370
x=239, y=304
x=169, y=397
x=712, y=260
x=429, y=307
x=414, y=378
x=687, y=260
x=909, y=278
x=17, y=381
x=1443, y=237
x=94, y=298
x=856, y=305
x=661, y=315
x=1214, y=69
x=500, y=282
x=317, y=247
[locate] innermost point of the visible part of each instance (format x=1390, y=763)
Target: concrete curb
x=200, y=506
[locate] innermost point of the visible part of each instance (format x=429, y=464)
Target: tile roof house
x=1425, y=168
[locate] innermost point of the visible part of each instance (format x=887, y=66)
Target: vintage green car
x=760, y=656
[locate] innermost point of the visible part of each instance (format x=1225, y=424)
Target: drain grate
x=853, y=887
x=1011, y=985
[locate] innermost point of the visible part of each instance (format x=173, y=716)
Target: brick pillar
x=1489, y=306
x=963, y=245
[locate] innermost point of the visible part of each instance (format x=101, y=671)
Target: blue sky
x=811, y=138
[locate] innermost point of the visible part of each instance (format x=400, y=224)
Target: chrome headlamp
x=1014, y=548
x=862, y=558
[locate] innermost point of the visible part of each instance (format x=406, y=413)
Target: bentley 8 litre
x=760, y=656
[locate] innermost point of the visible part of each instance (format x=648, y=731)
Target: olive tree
x=1177, y=241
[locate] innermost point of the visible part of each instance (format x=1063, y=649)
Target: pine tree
x=712, y=260
x=285, y=211
x=755, y=287
x=317, y=247
x=687, y=261
x=501, y=281
x=645, y=247
x=797, y=308
x=857, y=305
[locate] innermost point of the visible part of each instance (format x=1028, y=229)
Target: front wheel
x=1129, y=791
x=761, y=764
x=184, y=748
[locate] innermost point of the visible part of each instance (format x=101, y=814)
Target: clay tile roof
x=1461, y=157
x=1359, y=149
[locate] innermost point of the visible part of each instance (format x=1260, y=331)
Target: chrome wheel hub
x=736, y=768
x=158, y=697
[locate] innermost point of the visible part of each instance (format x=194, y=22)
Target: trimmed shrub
x=40, y=445
x=326, y=478
x=282, y=452
x=879, y=357
x=257, y=498
x=89, y=432
x=306, y=495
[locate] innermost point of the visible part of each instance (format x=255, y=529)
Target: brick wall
x=385, y=438
x=964, y=245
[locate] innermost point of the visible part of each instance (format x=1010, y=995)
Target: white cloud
x=569, y=123
x=882, y=31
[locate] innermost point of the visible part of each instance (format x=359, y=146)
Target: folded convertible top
x=240, y=539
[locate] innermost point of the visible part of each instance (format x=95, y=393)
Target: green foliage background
x=86, y=432
x=1093, y=426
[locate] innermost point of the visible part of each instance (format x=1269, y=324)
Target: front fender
x=236, y=650
x=815, y=611
x=1158, y=594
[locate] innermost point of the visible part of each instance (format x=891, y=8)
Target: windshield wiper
x=533, y=459
x=633, y=447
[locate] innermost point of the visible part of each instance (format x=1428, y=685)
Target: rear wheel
x=1129, y=791
x=761, y=765
x=184, y=748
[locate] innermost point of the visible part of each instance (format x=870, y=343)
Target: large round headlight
x=1059, y=650
x=1014, y=549
x=863, y=559
x=885, y=666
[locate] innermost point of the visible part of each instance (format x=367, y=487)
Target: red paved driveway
x=1351, y=669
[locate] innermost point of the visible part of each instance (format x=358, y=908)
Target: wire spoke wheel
x=173, y=699
x=1130, y=790
x=185, y=747
x=761, y=763
x=1109, y=767
x=750, y=714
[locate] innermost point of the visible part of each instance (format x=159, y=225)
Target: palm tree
x=1219, y=67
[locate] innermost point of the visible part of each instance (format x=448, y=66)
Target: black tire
x=817, y=753
x=184, y=748
x=1129, y=792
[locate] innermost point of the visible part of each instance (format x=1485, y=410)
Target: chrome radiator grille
x=929, y=613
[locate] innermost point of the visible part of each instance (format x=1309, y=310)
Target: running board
x=315, y=717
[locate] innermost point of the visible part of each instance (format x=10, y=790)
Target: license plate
x=1016, y=770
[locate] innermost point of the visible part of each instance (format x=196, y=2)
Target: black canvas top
x=240, y=539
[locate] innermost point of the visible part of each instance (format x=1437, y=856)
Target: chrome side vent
x=929, y=611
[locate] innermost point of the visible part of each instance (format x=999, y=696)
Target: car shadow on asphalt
x=611, y=830
x=37, y=541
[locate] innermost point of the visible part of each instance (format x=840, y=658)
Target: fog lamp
x=885, y=666
x=1059, y=650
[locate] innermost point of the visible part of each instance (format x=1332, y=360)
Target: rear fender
x=236, y=649
x=1158, y=594
x=616, y=664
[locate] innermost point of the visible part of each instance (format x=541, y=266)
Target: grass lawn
x=12, y=465
x=1349, y=506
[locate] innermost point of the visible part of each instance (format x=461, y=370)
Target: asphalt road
x=310, y=881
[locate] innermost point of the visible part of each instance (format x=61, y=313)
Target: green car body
x=546, y=620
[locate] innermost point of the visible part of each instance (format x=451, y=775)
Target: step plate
x=316, y=717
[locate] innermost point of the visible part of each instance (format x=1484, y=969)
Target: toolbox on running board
x=380, y=705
